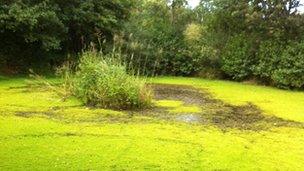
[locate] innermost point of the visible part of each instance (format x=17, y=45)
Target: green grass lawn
x=40, y=132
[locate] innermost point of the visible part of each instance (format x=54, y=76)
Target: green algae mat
x=195, y=125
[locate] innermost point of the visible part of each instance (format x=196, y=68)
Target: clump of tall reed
x=102, y=80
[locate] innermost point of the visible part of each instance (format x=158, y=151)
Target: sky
x=194, y=3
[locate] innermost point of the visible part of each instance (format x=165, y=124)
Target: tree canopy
x=34, y=28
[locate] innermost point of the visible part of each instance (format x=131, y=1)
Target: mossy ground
x=38, y=131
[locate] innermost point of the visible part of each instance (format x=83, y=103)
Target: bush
x=210, y=73
x=269, y=56
x=172, y=56
x=187, y=61
x=102, y=81
x=238, y=57
x=290, y=72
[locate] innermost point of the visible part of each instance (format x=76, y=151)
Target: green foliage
x=193, y=33
x=33, y=23
x=269, y=56
x=156, y=40
x=204, y=56
x=265, y=27
x=281, y=65
x=290, y=72
x=242, y=39
x=36, y=31
x=265, y=19
x=101, y=80
x=237, y=58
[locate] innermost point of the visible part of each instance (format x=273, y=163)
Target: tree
x=157, y=41
x=32, y=29
x=254, y=21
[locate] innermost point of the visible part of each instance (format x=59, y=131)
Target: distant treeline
x=233, y=39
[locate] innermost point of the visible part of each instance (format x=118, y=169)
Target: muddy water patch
x=212, y=111
x=186, y=94
x=189, y=118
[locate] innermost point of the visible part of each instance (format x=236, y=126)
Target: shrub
x=193, y=33
x=102, y=81
x=269, y=56
x=237, y=57
x=172, y=56
x=187, y=61
x=290, y=72
x=210, y=73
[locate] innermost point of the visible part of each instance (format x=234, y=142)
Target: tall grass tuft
x=102, y=81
